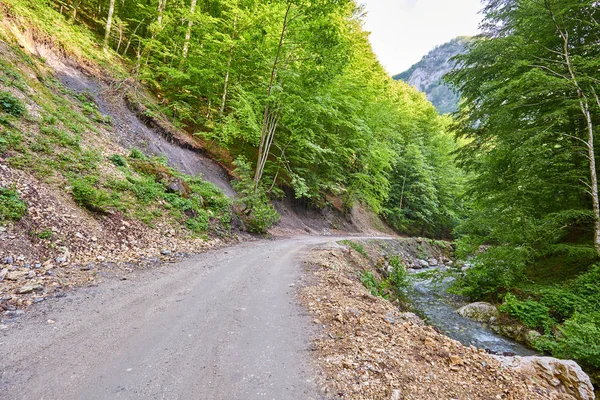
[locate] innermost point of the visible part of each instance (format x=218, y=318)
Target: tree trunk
x=593, y=174
x=270, y=118
x=585, y=110
x=111, y=10
x=131, y=37
x=229, y=59
x=120, y=38
x=161, y=8
x=188, y=33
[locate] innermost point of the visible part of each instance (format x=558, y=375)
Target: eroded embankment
x=369, y=349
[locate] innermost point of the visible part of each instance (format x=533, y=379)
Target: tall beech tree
x=529, y=84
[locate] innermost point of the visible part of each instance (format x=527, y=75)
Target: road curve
x=221, y=325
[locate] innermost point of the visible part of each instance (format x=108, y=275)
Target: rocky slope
x=426, y=75
x=88, y=212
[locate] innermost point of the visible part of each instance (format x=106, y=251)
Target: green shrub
x=562, y=303
x=45, y=234
x=146, y=189
x=578, y=338
x=198, y=224
x=252, y=206
x=11, y=105
x=118, y=160
x=137, y=154
x=262, y=215
x=396, y=282
x=10, y=139
x=398, y=277
x=370, y=282
x=174, y=201
x=531, y=313
x=493, y=272
x=12, y=208
x=214, y=197
x=587, y=285
x=88, y=195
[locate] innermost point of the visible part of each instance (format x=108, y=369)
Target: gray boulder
x=480, y=312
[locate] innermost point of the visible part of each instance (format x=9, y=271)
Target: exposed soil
x=154, y=136
x=58, y=245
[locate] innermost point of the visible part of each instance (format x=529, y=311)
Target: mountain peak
x=426, y=75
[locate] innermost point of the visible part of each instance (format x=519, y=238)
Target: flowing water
x=430, y=299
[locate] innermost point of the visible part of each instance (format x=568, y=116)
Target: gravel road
x=221, y=325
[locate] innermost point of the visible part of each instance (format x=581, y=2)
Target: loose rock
x=564, y=375
x=29, y=288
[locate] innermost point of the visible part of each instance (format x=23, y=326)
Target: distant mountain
x=426, y=75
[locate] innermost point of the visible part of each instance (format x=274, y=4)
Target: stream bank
x=431, y=301
x=366, y=347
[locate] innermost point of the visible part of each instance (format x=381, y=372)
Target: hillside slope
x=88, y=188
x=426, y=75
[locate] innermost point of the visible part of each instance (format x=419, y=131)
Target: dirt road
x=222, y=325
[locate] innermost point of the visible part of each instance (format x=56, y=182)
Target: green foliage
x=523, y=120
x=252, y=206
x=561, y=302
x=12, y=208
x=118, y=160
x=578, y=338
x=533, y=314
x=370, y=282
x=398, y=278
x=494, y=271
x=396, y=282
x=86, y=192
x=45, y=234
x=137, y=154
x=198, y=224
x=358, y=247
x=10, y=139
x=11, y=105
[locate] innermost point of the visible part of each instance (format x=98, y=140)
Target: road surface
x=221, y=325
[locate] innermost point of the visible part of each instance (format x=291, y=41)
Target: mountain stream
x=430, y=299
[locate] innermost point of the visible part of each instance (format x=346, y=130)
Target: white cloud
x=403, y=31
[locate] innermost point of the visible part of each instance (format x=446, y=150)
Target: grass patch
x=10, y=105
x=12, y=208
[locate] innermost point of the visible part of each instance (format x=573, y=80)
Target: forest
x=290, y=97
x=290, y=94
x=528, y=118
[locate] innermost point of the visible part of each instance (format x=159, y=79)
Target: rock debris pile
x=58, y=246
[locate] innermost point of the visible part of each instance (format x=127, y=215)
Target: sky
x=403, y=31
